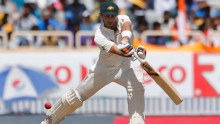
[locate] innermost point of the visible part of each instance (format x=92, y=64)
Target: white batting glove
x=125, y=40
x=126, y=49
x=141, y=52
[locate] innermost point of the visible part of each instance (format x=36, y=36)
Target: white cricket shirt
x=104, y=39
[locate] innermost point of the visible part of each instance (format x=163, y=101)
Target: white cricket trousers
x=130, y=78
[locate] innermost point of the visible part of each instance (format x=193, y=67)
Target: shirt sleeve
x=102, y=42
x=123, y=18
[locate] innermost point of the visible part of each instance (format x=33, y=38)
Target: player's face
x=109, y=21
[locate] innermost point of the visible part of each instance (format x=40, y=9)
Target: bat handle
x=138, y=58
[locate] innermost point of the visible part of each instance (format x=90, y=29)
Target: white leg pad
x=136, y=104
x=69, y=102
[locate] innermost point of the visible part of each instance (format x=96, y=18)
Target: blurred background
x=47, y=47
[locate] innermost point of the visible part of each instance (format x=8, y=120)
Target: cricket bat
x=170, y=90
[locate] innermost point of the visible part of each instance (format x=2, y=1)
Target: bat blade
x=168, y=88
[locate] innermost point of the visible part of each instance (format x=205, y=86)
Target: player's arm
x=102, y=42
x=127, y=36
x=126, y=31
x=125, y=50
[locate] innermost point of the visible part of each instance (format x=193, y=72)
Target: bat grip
x=138, y=58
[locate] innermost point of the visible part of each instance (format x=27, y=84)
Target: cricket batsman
x=115, y=64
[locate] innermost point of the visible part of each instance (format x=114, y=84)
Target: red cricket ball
x=47, y=105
